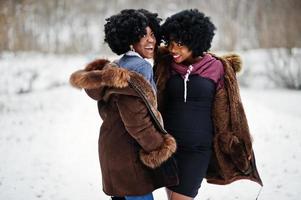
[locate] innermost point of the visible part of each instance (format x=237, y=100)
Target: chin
x=178, y=61
x=148, y=56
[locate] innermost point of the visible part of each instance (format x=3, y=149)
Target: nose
x=171, y=48
x=151, y=39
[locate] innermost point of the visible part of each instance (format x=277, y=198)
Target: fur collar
x=231, y=60
x=102, y=73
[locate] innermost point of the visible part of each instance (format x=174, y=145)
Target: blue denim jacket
x=139, y=65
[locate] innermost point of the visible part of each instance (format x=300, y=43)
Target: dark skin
x=182, y=54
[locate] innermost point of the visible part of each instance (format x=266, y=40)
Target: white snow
x=49, y=136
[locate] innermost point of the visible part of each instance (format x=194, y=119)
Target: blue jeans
x=143, y=197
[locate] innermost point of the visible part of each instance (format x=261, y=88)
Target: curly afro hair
x=128, y=27
x=190, y=28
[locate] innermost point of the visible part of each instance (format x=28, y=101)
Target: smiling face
x=180, y=52
x=146, y=45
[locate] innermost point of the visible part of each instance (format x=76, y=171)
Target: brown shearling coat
x=132, y=141
x=232, y=143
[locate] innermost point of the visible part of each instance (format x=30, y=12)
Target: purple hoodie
x=208, y=67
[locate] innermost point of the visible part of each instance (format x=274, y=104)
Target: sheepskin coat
x=132, y=141
x=232, y=143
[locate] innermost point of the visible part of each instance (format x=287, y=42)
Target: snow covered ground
x=49, y=133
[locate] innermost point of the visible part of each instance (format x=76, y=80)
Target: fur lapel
x=98, y=74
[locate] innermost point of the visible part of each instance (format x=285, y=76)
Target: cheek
x=188, y=54
x=154, y=40
x=184, y=53
x=138, y=47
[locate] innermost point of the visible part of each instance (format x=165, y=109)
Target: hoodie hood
x=208, y=67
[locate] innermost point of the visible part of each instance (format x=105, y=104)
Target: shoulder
x=231, y=60
x=126, y=60
x=217, y=67
x=214, y=70
x=137, y=64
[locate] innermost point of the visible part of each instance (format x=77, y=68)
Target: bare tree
x=284, y=69
x=75, y=26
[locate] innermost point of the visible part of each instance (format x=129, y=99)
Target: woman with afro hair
x=134, y=149
x=134, y=33
x=198, y=97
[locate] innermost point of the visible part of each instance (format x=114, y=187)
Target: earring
x=132, y=48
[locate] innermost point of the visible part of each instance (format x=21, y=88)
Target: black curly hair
x=190, y=28
x=128, y=27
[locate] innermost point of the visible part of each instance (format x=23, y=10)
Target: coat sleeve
x=155, y=147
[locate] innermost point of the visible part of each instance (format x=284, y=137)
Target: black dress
x=191, y=124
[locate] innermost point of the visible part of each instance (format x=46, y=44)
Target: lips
x=176, y=57
x=149, y=48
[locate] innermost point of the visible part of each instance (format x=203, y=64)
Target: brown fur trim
x=96, y=65
x=157, y=157
x=149, y=93
x=110, y=76
x=146, y=87
x=235, y=61
x=101, y=73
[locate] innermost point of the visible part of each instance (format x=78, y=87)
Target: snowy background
x=49, y=133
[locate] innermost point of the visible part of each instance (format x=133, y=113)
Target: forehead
x=175, y=43
x=173, y=38
x=148, y=29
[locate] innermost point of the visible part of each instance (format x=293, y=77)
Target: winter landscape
x=49, y=133
x=49, y=130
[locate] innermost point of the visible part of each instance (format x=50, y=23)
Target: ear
x=132, y=48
